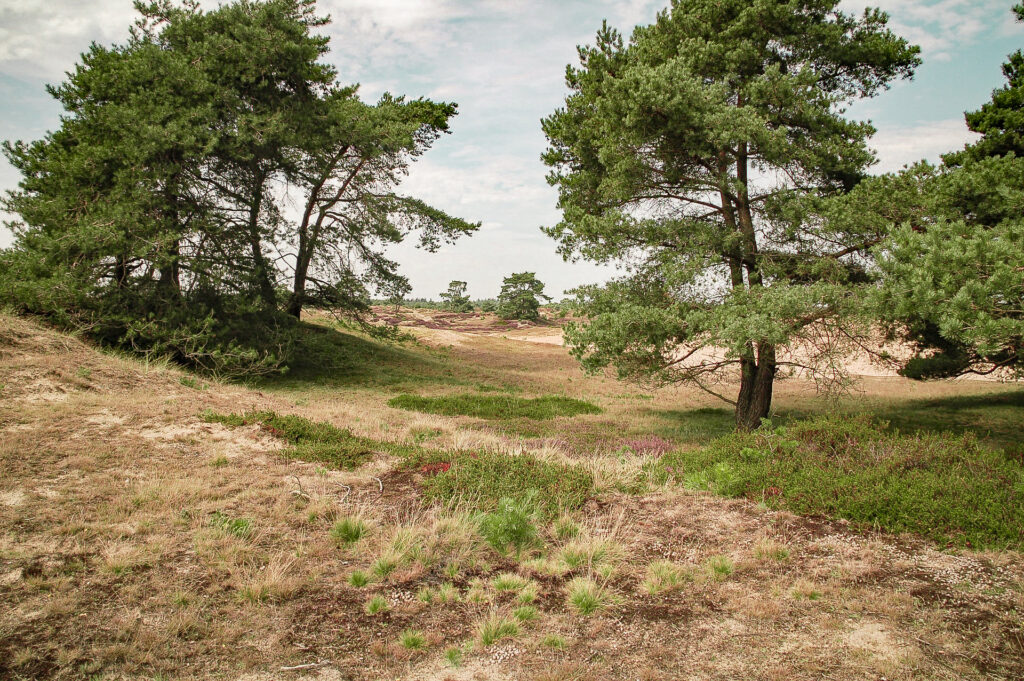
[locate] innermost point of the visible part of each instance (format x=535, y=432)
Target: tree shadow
x=995, y=417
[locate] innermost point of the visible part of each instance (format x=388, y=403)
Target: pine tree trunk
x=756, y=384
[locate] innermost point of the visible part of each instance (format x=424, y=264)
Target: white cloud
x=899, y=146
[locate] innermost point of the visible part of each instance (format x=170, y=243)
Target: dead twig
x=381, y=485
x=299, y=667
x=348, y=490
x=299, y=492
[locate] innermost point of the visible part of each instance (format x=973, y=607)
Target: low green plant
x=484, y=479
x=511, y=525
x=219, y=461
x=553, y=641
x=565, y=527
x=412, y=639
x=664, y=575
x=525, y=613
x=358, y=579
x=769, y=549
x=493, y=406
x=313, y=441
x=720, y=567
x=496, y=627
x=453, y=656
x=447, y=593
x=375, y=605
x=942, y=486
x=385, y=565
x=238, y=527
x=586, y=596
x=509, y=581
x=348, y=530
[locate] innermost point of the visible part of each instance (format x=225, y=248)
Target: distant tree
x=694, y=156
x=520, y=297
x=455, y=298
x=488, y=305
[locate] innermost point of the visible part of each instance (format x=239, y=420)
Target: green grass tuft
x=314, y=441
x=495, y=628
x=942, y=486
x=348, y=530
x=495, y=406
x=375, y=605
x=485, y=478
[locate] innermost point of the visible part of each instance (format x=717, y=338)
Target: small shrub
x=940, y=485
x=495, y=406
x=511, y=525
x=348, y=530
x=495, y=628
x=376, y=605
x=412, y=639
x=586, y=596
x=664, y=575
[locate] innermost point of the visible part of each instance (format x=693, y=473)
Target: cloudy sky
x=503, y=62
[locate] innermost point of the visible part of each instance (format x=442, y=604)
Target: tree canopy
x=520, y=296
x=697, y=155
x=158, y=215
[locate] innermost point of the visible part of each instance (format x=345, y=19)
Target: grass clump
x=664, y=575
x=385, y=565
x=586, y=596
x=314, y=441
x=348, y=530
x=496, y=627
x=375, y=605
x=483, y=479
x=769, y=549
x=237, y=527
x=358, y=579
x=495, y=406
x=720, y=567
x=453, y=656
x=553, y=641
x=412, y=639
x=509, y=581
x=943, y=486
x=591, y=552
x=525, y=613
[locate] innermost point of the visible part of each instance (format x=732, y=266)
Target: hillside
x=147, y=533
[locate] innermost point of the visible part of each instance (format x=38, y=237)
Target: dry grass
x=118, y=558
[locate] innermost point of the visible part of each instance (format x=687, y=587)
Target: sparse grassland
x=149, y=529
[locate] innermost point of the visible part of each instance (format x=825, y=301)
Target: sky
x=503, y=62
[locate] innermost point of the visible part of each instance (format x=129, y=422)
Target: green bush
x=511, y=526
x=486, y=478
x=943, y=486
x=495, y=406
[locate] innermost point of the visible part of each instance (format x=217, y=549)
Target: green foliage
x=376, y=605
x=150, y=218
x=510, y=526
x=586, y=596
x=520, y=297
x=665, y=157
x=495, y=628
x=455, y=298
x=495, y=406
x=943, y=486
x=412, y=639
x=348, y=530
x=238, y=527
x=484, y=479
x=358, y=579
x=314, y=441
